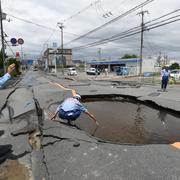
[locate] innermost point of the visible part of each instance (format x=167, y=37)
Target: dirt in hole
x=13, y=170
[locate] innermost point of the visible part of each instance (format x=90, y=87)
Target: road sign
x=20, y=41
x=13, y=41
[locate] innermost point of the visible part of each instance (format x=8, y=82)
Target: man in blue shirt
x=165, y=73
x=7, y=76
x=71, y=109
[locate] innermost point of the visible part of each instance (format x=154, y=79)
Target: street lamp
x=60, y=25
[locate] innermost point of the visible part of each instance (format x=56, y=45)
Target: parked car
x=175, y=73
x=93, y=71
x=34, y=68
x=72, y=72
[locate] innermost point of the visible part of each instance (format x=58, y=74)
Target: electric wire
x=40, y=25
x=131, y=32
x=79, y=12
x=113, y=20
x=139, y=27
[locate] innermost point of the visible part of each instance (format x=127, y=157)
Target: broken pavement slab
x=90, y=159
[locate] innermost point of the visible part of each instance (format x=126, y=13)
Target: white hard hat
x=77, y=96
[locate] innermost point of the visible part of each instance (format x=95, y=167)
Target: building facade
x=53, y=58
x=149, y=64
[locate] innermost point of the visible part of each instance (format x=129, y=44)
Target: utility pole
x=2, y=39
x=99, y=52
x=142, y=13
x=60, y=25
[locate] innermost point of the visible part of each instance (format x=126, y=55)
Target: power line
x=31, y=22
x=113, y=20
x=130, y=32
x=79, y=12
x=39, y=25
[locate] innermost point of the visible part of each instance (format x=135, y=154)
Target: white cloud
x=48, y=13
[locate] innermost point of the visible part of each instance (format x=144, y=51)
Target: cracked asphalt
x=52, y=150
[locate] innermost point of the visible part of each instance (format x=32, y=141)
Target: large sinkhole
x=128, y=121
x=124, y=120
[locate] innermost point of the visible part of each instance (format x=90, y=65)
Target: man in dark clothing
x=165, y=73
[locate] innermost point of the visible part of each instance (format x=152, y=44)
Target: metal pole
x=99, y=54
x=61, y=27
x=55, y=61
x=2, y=40
x=141, y=50
x=62, y=48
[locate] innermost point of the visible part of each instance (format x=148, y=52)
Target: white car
x=72, y=72
x=92, y=71
x=175, y=74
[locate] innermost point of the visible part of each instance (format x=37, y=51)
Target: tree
x=174, y=66
x=128, y=56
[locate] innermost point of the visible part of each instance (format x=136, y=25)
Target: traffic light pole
x=2, y=39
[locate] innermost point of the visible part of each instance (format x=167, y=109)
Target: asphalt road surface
x=52, y=150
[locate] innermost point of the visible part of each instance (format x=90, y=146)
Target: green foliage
x=128, y=56
x=1, y=74
x=81, y=66
x=174, y=66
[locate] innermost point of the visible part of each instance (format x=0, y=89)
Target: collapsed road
x=52, y=150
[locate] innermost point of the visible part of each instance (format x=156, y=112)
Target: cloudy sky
x=93, y=20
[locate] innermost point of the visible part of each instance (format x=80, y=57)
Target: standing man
x=71, y=109
x=165, y=73
x=7, y=76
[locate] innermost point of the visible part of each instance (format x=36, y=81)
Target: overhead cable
x=39, y=25
x=131, y=32
x=113, y=20
x=79, y=12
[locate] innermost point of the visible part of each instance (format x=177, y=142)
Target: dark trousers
x=164, y=82
x=69, y=115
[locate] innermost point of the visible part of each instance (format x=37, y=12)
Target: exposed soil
x=13, y=170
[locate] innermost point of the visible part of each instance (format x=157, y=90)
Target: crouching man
x=71, y=109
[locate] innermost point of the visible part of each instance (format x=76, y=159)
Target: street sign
x=20, y=41
x=13, y=41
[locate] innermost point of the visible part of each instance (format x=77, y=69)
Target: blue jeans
x=69, y=115
x=164, y=82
